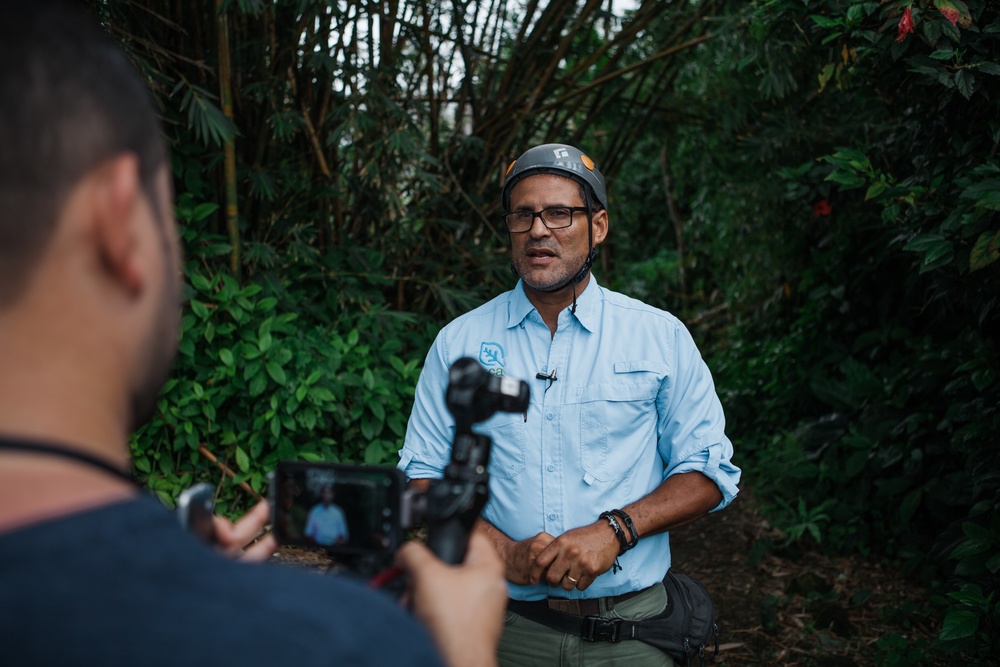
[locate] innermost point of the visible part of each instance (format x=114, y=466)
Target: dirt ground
x=776, y=607
x=806, y=609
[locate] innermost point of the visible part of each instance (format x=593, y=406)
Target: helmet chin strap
x=587, y=263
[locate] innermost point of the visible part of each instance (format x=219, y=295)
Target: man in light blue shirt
x=327, y=524
x=624, y=438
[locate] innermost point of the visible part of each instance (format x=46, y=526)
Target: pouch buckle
x=597, y=629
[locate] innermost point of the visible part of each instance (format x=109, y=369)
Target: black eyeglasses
x=553, y=217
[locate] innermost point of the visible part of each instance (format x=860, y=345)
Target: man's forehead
x=546, y=184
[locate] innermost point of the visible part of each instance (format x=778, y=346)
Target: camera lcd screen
x=338, y=507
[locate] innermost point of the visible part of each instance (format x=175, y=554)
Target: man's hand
x=461, y=605
x=518, y=556
x=577, y=557
x=231, y=537
x=521, y=558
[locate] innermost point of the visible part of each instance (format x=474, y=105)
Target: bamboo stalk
x=203, y=450
x=229, y=149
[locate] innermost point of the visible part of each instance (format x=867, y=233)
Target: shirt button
x=551, y=467
x=552, y=517
x=550, y=416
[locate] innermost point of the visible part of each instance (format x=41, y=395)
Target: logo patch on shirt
x=492, y=357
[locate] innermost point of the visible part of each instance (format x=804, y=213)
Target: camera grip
x=452, y=508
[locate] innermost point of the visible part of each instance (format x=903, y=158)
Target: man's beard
x=561, y=279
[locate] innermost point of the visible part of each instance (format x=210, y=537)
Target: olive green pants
x=525, y=643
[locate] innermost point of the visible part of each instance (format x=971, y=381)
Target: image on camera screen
x=339, y=508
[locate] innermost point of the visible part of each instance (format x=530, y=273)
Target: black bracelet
x=619, y=532
x=633, y=533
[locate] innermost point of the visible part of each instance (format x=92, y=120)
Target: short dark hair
x=69, y=100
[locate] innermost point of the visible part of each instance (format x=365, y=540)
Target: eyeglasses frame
x=539, y=214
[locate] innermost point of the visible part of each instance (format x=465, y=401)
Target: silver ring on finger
x=575, y=581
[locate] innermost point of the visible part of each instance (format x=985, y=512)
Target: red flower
x=905, y=24
x=821, y=208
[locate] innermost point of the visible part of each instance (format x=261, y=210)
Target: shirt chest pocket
x=507, y=453
x=618, y=421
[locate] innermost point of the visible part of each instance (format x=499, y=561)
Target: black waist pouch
x=683, y=630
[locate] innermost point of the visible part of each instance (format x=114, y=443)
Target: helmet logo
x=510, y=167
x=560, y=153
x=587, y=162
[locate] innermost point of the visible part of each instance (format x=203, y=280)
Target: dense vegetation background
x=812, y=185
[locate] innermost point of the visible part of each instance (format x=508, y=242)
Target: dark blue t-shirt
x=125, y=585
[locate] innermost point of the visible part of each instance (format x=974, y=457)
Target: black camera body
x=360, y=514
x=455, y=501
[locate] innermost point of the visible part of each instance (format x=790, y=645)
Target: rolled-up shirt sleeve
x=431, y=427
x=692, y=424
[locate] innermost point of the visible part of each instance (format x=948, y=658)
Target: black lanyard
x=76, y=455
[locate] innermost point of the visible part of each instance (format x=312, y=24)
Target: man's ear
x=600, y=226
x=117, y=197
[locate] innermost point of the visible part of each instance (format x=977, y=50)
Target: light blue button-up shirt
x=632, y=403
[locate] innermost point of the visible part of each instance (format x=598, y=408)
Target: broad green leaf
x=825, y=22
x=257, y=384
x=320, y=395
x=374, y=453
x=242, y=460
x=203, y=210
x=369, y=429
x=965, y=82
x=199, y=282
x=276, y=372
x=985, y=251
x=199, y=309
x=958, y=624
x=849, y=180
x=875, y=189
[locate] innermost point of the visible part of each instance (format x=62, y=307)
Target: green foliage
x=894, y=650
x=868, y=381
x=256, y=382
x=971, y=624
x=803, y=520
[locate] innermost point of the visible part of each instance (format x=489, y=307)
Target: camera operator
x=93, y=570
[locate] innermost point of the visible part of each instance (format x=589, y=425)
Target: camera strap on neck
x=65, y=452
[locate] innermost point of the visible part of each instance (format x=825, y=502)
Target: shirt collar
x=586, y=305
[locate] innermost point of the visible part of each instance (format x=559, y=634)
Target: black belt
x=584, y=607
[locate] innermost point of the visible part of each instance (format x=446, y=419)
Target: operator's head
x=555, y=203
x=84, y=186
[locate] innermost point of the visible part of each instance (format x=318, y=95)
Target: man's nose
x=538, y=228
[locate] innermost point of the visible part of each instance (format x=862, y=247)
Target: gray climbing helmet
x=558, y=159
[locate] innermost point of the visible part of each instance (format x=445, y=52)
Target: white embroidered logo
x=560, y=153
